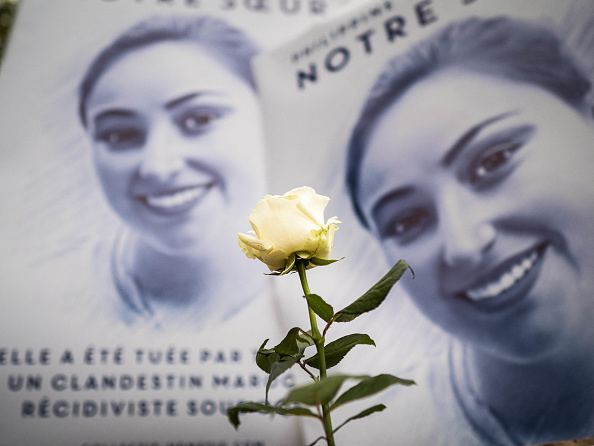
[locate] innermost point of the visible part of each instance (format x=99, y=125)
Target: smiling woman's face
x=177, y=144
x=484, y=186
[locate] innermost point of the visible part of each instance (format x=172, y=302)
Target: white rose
x=289, y=224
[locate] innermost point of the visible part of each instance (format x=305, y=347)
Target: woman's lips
x=177, y=200
x=513, y=274
x=505, y=281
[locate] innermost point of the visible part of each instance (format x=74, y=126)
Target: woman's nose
x=162, y=155
x=466, y=228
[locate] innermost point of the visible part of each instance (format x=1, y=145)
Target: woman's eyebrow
x=468, y=136
x=113, y=113
x=187, y=97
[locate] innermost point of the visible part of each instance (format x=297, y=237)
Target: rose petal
x=275, y=260
x=253, y=242
x=280, y=224
x=313, y=203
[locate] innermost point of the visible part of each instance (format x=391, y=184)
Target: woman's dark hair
x=510, y=48
x=230, y=45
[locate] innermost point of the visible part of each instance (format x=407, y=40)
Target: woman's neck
x=176, y=280
x=197, y=287
x=547, y=400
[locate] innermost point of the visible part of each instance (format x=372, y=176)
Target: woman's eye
x=495, y=160
x=118, y=139
x=407, y=225
x=194, y=123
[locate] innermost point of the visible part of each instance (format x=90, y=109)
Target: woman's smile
x=506, y=283
x=177, y=200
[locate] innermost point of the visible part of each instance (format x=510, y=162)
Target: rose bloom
x=289, y=224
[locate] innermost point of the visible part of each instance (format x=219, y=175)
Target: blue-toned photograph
x=173, y=120
x=472, y=160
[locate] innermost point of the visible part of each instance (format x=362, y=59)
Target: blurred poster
x=459, y=136
x=131, y=155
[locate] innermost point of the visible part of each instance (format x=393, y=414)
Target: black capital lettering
x=425, y=14
x=311, y=76
x=343, y=58
x=394, y=27
x=366, y=42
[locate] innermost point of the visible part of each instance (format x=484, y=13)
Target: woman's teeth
x=505, y=281
x=175, y=199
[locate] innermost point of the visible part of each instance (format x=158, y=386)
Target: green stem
x=319, y=342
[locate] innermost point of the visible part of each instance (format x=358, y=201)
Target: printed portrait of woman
x=172, y=116
x=472, y=159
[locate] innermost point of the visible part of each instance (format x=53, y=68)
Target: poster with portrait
x=131, y=156
x=456, y=135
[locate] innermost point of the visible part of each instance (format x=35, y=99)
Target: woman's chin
x=536, y=335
